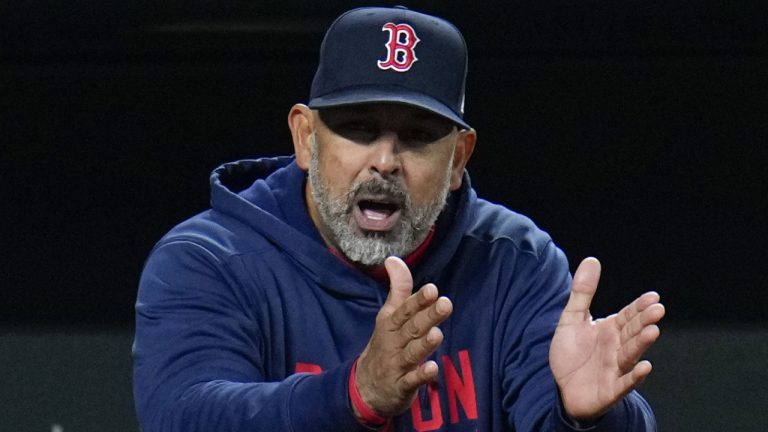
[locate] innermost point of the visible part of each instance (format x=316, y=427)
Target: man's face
x=379, y=177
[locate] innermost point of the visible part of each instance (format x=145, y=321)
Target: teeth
x=375, y=215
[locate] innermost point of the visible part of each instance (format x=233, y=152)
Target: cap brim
x=360, y=95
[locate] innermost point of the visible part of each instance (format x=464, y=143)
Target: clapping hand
x=597, y=362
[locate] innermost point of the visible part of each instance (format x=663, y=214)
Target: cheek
x=339, y=167
x=425, y=180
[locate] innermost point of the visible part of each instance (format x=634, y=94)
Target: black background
x=634, y=131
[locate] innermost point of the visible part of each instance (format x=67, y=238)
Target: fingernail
x=433, y=335
x=441, y=307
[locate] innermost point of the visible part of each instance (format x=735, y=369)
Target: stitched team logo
x=400, y=54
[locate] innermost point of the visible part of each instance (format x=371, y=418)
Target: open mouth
x=372, y=215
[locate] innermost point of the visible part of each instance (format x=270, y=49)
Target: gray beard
x=372, y=248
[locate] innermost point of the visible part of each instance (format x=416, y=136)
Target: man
x=285, y=307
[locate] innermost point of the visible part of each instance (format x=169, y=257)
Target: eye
x=352, y=123
x=356, y=130
x=420, y=134
x=418, y=137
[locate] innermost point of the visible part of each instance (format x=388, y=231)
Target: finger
x=425, y=319
x=633, y=378
x=424, y=298
x=424, y=374
x=648, y=316
x=583, y=289
x=400, y=283
x=638, y=305
x=419, y=349
x=631, y=351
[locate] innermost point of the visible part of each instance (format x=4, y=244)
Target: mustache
x=394, y=191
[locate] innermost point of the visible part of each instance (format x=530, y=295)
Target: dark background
x=634, y=131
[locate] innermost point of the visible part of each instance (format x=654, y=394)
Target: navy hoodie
x=245, y=321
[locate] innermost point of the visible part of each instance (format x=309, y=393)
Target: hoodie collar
x=268, y=195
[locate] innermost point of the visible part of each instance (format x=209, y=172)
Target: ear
x=465, y=145
x=300, y=121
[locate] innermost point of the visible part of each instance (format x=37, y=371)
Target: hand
x=390, y=369
x=595, y=362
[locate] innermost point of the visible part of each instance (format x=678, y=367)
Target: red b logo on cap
x=402, y=40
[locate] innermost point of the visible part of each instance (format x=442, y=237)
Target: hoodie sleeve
x=531, y=398
x=198, y=362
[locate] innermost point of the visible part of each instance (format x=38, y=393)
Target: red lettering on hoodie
x=308, y=368
x=436, y=421
x=458, y=389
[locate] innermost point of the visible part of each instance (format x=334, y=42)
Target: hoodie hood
x=267, y=195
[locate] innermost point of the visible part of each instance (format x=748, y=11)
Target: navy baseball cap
x=395, y=55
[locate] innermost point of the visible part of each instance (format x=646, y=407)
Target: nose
x=385, y=159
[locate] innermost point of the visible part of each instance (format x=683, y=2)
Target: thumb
x=583, y=289
x=400, y=282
